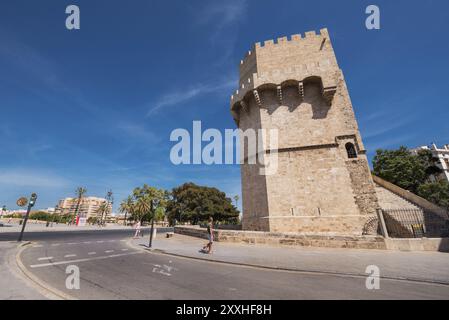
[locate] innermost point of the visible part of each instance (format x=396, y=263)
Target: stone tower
x=323, y=182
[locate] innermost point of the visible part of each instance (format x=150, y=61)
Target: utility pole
x=30, y=205
x=152, y=224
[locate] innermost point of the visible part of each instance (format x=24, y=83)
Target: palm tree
x=80, y=192
x=236, y=198
x=127, y=206
x=103, y=209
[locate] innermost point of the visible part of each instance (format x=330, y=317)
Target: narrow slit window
x=350, y=149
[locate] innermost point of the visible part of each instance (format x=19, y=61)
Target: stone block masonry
x=323, y=184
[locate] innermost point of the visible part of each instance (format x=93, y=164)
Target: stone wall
x=286, y=239
x=389, y=200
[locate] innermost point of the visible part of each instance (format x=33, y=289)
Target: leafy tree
x=436, y=192
x=127, y=207
x=429, y=163
x=93, y=220
x=159, y=214
x=190, y=202
x=41, y=216
x=102, y=211
x=411, y=172
x=146, y=201
x=400, y=167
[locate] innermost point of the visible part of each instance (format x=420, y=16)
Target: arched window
x=350, y=149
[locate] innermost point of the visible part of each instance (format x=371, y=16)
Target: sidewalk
x=12, y=285
x=418, y=266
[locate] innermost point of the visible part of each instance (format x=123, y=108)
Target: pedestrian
x=137, y=227
x=210, y=235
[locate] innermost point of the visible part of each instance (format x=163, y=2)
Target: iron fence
x=415, y=223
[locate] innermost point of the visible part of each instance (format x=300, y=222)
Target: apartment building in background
x=89, y=207
x=441, y=157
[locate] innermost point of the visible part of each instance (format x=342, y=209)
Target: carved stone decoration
x=328, y=94
x=257, y=97
x=279, y=93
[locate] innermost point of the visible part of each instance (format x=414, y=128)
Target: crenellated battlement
x=295, y=40
x=295, y=57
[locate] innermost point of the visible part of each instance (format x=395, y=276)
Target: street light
x=31, y=203
x=152, y=225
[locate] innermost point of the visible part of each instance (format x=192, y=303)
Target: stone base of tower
x=335, y=225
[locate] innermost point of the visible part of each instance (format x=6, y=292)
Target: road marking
x=100, y=241
x=124, y=249
x=45, y=258
x=37, y=246
x=56, y=244
x=91, y=253
x=87, y=242
x=72, y=243
x=111, y=240
x=69, y=255
x=124, y=240
x=84, y=260
x=109, y=251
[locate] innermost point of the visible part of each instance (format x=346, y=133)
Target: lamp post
x=152, y=225
x=30, y=205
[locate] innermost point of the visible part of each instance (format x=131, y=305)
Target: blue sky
x=95, y=107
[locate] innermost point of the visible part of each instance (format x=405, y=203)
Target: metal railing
x=415, y=223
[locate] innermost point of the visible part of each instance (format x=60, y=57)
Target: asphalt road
x=111, y=269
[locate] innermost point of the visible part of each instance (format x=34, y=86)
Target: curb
x=286, y=269
x=43, y=288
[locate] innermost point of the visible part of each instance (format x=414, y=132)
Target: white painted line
x=84, y=260
x=92, y=253
x=123, y=240
x=72, y=243
x=124, y=249
x=56, y=244
x=37, y=246
x=87, y=242
x=69, y=255
x=111, y=240
x=45, y=258
x=109, y=251
x=100, y=241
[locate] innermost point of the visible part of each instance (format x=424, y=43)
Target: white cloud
x=223, y=13
x=30, y=178
x=138, y=131
x=177, y=97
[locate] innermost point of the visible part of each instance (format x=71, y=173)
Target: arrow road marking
x=83, y=260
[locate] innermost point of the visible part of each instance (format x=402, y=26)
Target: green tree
x=102, y=211
x=400, y=167
x=127, y=207
x=146, y=201
x=436, y=192
x=411, y=172
x=159, y=214
x=41, y=216
x=190, y=202
x=80, y=192
x=236, y=199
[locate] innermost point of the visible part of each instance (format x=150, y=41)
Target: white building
x=89, y=207
x=441, y=157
